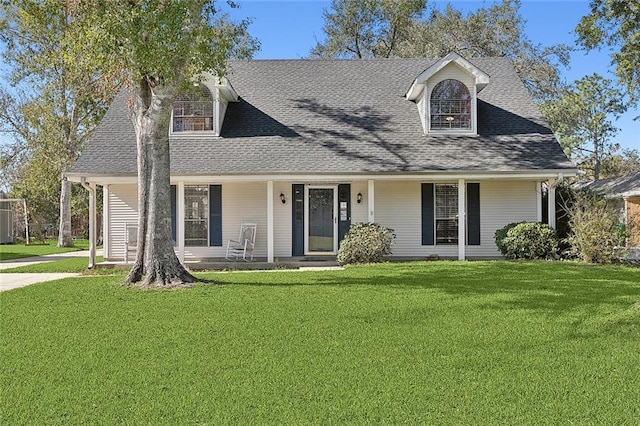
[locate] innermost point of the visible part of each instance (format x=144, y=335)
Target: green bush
x=527, y=240
x=501, y=234
x=366, y=243
x=597, y=235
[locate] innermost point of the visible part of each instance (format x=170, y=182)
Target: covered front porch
x=306, y=216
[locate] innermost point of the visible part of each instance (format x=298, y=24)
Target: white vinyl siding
x=282, y=219
x=397, y=205
x=359, y=211
x=501, y=202
x=123, y=210
x=241, y=202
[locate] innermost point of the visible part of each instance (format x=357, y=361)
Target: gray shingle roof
x=615, y=187
x=341, y=116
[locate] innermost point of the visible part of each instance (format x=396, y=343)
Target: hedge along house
x=442, y=151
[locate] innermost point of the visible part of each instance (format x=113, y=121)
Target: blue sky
x=288, y=29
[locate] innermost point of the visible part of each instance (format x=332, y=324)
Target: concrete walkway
x=9, y=281
x=17, y=280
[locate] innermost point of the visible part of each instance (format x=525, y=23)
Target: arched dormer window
x=194, y=112
x=450, y=106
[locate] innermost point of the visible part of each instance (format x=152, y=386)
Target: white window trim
x=435, y=210
x=215, y=94
x=207, y=216
x=426, y=98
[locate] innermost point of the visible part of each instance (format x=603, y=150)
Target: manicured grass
x=18, y=251
x=72, y=264
x=415, y=343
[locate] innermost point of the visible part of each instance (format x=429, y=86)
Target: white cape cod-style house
x=442, y=151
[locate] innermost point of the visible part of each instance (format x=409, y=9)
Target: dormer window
x=201, y=111
x=194, y=112
x=450, y=106
x=446, y=95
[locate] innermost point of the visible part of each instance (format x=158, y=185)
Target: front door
x=321, y=224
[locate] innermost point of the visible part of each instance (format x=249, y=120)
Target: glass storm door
x=321, y=220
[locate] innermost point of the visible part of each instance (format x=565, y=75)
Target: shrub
x=527, y=240
x=366, y=243
x=596, y=230
x=501, y=234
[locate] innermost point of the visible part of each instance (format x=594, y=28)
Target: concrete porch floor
x=222, y=264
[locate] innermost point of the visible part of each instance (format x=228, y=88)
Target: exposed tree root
x=160, y=275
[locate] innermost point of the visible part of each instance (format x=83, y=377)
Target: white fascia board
x=481, y=77
x=223, y=85
x=227, y=90
x=329, y=177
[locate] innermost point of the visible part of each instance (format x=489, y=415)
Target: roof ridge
x=358, y=59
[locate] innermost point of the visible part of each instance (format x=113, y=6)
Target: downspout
x=92, y=221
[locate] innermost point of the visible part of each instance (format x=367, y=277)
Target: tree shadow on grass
x=548, y=287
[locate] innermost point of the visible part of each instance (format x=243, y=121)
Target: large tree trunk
x=65, y=238
x=156, y=260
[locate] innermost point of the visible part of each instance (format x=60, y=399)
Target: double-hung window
x=202, y=215
x=446, y=217
x=440, y=214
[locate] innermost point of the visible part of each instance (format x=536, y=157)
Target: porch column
x=371, y=200
x=538, y=188
x=105, y=221
x=180, y=221
x=92, y=226
x=626, y=219
x=462, y=219
x=91, y=188
x=552, y=202
x=270, y=221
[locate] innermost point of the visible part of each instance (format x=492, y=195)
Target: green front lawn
x=415, y=343
x=18, y=251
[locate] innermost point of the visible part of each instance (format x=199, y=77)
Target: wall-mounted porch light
x=283, y=199
x=359, y=197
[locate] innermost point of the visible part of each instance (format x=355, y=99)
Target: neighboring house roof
x=624, y=186
x=341, y=116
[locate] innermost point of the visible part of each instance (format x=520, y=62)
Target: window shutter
x=215, y=215
x=297, y=214
x=173, y=215
x=344, y=196
x=473, y=214
x=427, y=214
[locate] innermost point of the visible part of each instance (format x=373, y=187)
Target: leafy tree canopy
x=582, y=120
x=368, y=29
x=60, y=98
x=615, y=25
x=162, y=46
